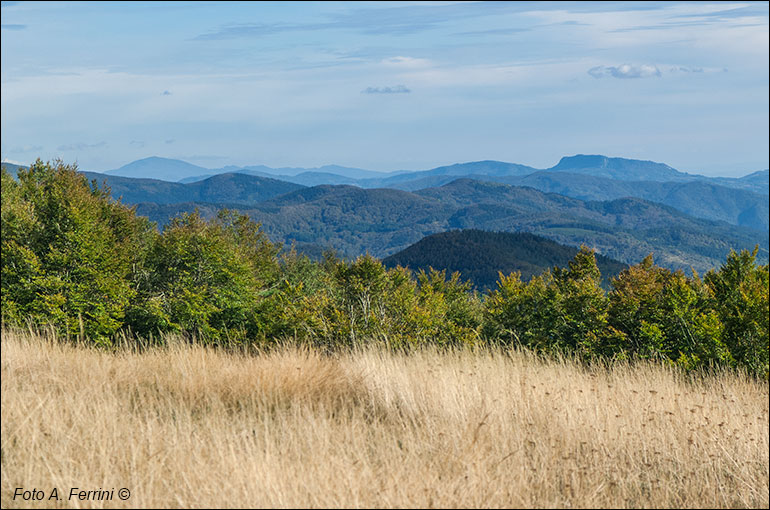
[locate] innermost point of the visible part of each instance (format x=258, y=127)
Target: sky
x=386, y=85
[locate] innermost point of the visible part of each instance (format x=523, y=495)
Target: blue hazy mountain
x=617, y=169
x=327, y=174
x=620, y=168
x=158, y=168
x=699, y=198
x=740, y=201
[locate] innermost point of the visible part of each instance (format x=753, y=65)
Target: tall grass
x=187, y=426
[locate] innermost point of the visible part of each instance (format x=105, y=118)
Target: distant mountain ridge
x=594, y=165
x=354, y=220
x=740, y=201
x=224, y=188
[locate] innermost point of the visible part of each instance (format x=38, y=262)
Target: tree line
x=85, y=265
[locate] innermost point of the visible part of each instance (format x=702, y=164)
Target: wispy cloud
x=398, y=20
x=81, y=146
x=406, y=62
x=203, y=157
x=740, y=11
x=26, y=148
x=684, y=69
x=170, y=141
x=625, y=71
x=495, y=31
x=238, y=30
x=398, y=89
x=137, y=143
x=13, y=27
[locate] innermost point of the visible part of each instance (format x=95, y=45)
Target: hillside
x=740, y=201
x=382, y=222
x=12, y=168
x=480, y=255
x=759, y=182
x=470, y=428
x=702, y=199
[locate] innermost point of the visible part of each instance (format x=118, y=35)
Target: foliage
x=665, y=314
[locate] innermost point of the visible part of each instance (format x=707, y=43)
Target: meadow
x=185, y=425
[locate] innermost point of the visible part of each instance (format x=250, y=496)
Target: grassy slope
x=187, y=426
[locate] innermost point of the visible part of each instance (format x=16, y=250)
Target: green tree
x=451, y=310
x=740, y=290
x=69, y=252
x=664, y=314
x=207, y=279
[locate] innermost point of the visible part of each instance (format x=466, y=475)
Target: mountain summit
x=158, y=168
x=619, y=168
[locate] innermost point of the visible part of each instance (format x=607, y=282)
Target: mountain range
x=621, y=211
x=739, y=201
x=621, y=169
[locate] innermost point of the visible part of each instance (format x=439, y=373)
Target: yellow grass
x=192, y=427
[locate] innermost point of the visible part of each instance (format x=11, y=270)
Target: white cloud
x=625, y=71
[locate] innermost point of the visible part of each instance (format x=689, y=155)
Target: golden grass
x=192, y=427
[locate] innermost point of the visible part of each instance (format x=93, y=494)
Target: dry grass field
x=188, y=426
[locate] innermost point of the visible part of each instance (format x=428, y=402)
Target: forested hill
x=480, y=255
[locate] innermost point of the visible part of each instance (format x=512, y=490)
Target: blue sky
x=386, y=86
